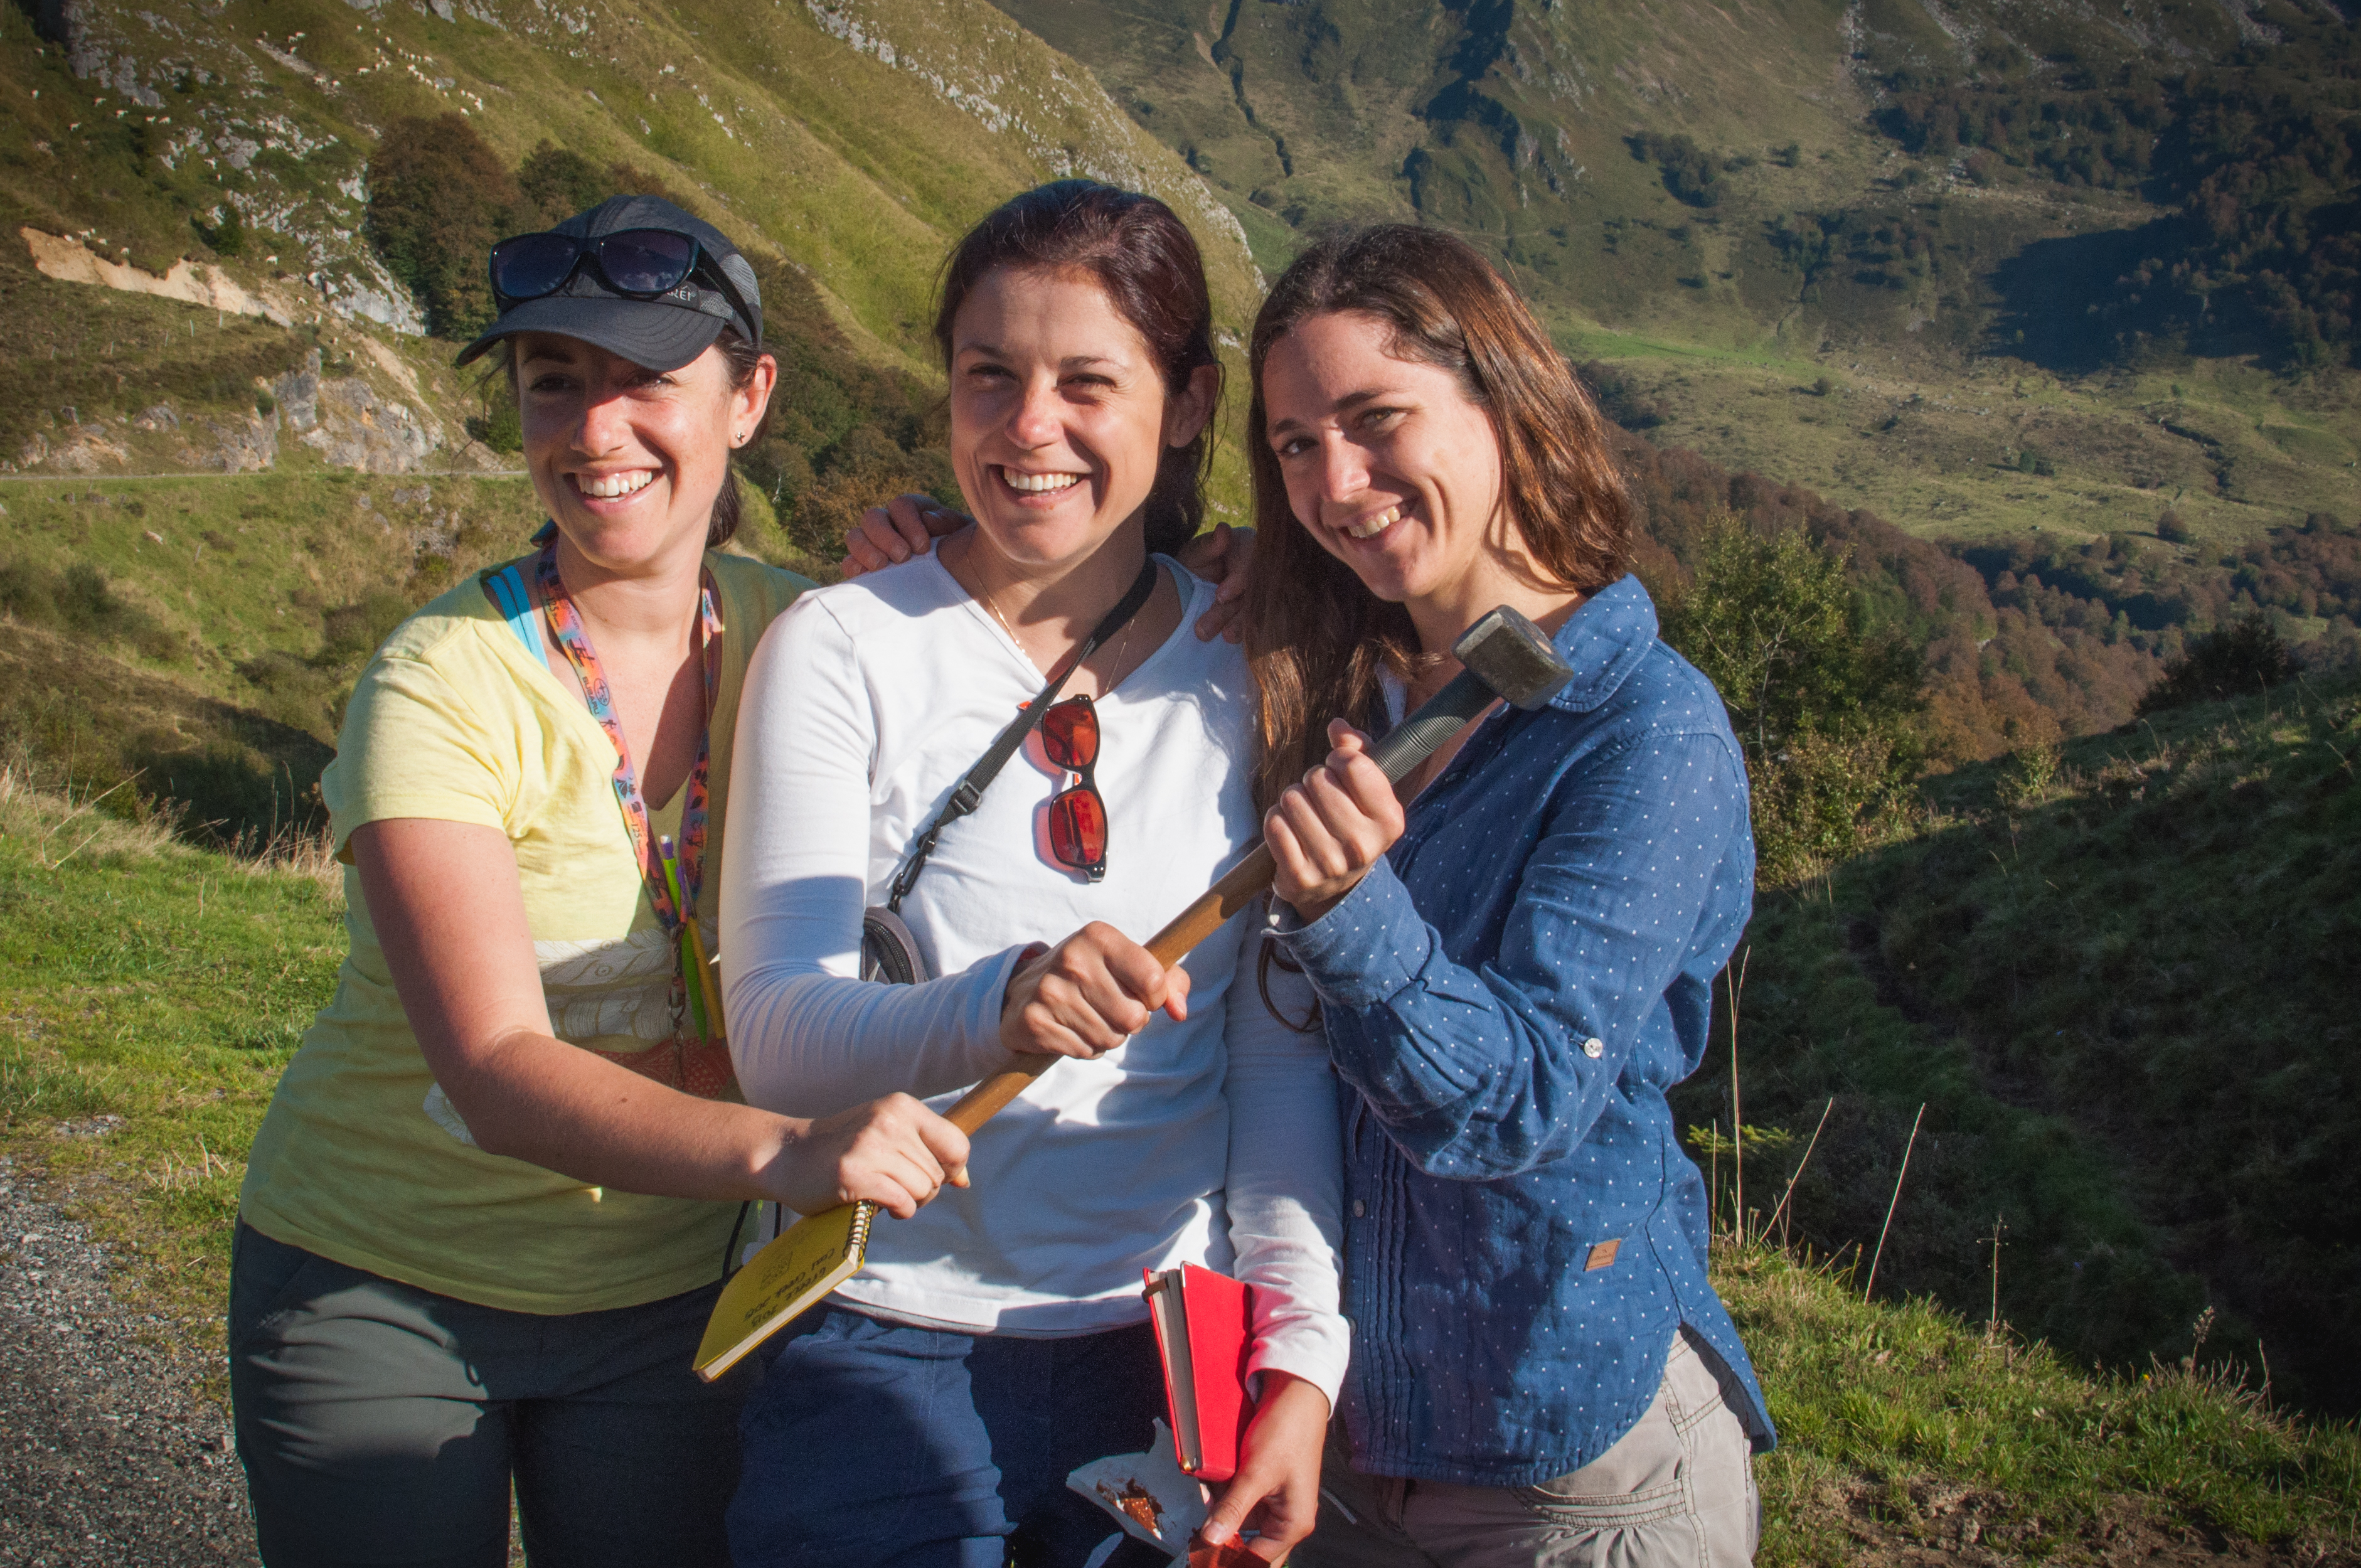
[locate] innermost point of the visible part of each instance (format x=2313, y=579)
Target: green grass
x=1902, y=1426
x=165, y=986
x=2117, y=975
x=1930, y=445
x=151, y=993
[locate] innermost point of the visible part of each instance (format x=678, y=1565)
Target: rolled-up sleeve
x=1478, y=1073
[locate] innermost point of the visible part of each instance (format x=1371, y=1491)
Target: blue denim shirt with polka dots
x=1506, y=998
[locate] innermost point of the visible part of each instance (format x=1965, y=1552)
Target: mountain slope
x=185, y=253
x=854, y=138
x=1873, y=248
x=2117, y=978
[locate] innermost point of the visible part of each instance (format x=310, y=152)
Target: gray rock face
x=160, y=418
x=298, y=392
x=126, y=81
x=359, y=430
x=244, y=447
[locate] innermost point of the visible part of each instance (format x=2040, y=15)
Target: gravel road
x=107, y=1455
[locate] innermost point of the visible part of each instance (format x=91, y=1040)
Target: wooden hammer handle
x=1190, y=926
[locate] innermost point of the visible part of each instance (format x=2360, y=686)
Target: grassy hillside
x=2115, y=976
x=1794, y=243
x=152, y=992
x=308, y=465
x=1877, y=249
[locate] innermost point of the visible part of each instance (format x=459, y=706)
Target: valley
x=2038, y=319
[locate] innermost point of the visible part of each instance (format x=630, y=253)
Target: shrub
x=80, y=601
x=1691, y=174
x=226, y=236
x=557, y=183
x=2173, y=529
x=1824, y=710
x=439, y=197
x=500, y=426
x=1619, y=396
x=2229, y=661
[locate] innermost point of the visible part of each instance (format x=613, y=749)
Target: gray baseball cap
x=663, y=332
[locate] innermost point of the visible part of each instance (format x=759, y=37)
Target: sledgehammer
x=1504, y=657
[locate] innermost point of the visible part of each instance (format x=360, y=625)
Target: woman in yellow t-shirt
x=486, y=1217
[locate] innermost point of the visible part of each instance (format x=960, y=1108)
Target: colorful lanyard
x=674, y=881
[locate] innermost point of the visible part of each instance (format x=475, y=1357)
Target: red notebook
x=1205, y=1328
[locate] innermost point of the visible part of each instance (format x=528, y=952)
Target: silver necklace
x=1121, y=649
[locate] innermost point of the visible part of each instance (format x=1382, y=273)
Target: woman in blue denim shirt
x=1512, y=969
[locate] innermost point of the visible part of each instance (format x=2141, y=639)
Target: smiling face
x=628, y=460
x=1388, y=465
x=1058, y=414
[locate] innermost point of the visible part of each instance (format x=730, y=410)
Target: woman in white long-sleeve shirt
x=998, y=1341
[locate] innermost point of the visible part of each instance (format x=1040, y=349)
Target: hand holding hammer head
x=1325, y=833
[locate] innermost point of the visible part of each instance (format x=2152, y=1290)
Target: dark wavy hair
x=1146, y=259
x=1315, y=637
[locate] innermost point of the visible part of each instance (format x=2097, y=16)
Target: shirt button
x=1360, y=1209
x=1594, y=1047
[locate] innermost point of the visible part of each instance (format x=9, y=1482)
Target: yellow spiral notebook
x=784, y=1280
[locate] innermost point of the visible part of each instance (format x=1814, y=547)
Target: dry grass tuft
x=308, y=856
x=59, y=826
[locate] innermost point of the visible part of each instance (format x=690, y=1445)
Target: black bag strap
x=969, y=792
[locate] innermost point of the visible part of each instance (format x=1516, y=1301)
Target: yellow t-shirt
x=361, y=1158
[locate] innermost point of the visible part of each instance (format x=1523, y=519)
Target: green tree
x=439, y=197
x=557, y=183
x=1824, y=709
x=2236, y=659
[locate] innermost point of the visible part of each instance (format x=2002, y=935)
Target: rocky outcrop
x=76, y=449
x=298, y=392
x=242, y=446
x=357, y=429
x=69, y=262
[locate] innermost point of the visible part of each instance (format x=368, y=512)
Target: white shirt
x=1212, y=1141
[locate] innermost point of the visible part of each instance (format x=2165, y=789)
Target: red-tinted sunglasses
x=1078, y=818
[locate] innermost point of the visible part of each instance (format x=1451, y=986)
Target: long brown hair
x=1315, y=637
x=1148, y=262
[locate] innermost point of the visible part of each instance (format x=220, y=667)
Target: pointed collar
x=1604, y=642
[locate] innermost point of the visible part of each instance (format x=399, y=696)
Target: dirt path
x=107, y=1455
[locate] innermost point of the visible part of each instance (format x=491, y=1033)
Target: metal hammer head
x=1513, y=656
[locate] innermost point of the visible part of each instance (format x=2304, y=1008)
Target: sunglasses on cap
x=1078, y=816
x=640, y=264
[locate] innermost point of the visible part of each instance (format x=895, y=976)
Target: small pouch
x=889, y=951
x=692, y=1065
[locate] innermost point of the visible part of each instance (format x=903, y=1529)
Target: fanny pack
x=889, y=951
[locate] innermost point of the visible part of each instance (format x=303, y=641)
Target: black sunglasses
x=641, y=264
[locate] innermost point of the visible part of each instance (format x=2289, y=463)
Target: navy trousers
x=869, y=1444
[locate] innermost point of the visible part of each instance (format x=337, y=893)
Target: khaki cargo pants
x=1678, y=1488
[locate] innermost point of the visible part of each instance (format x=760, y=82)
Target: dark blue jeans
x=869, y=1444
